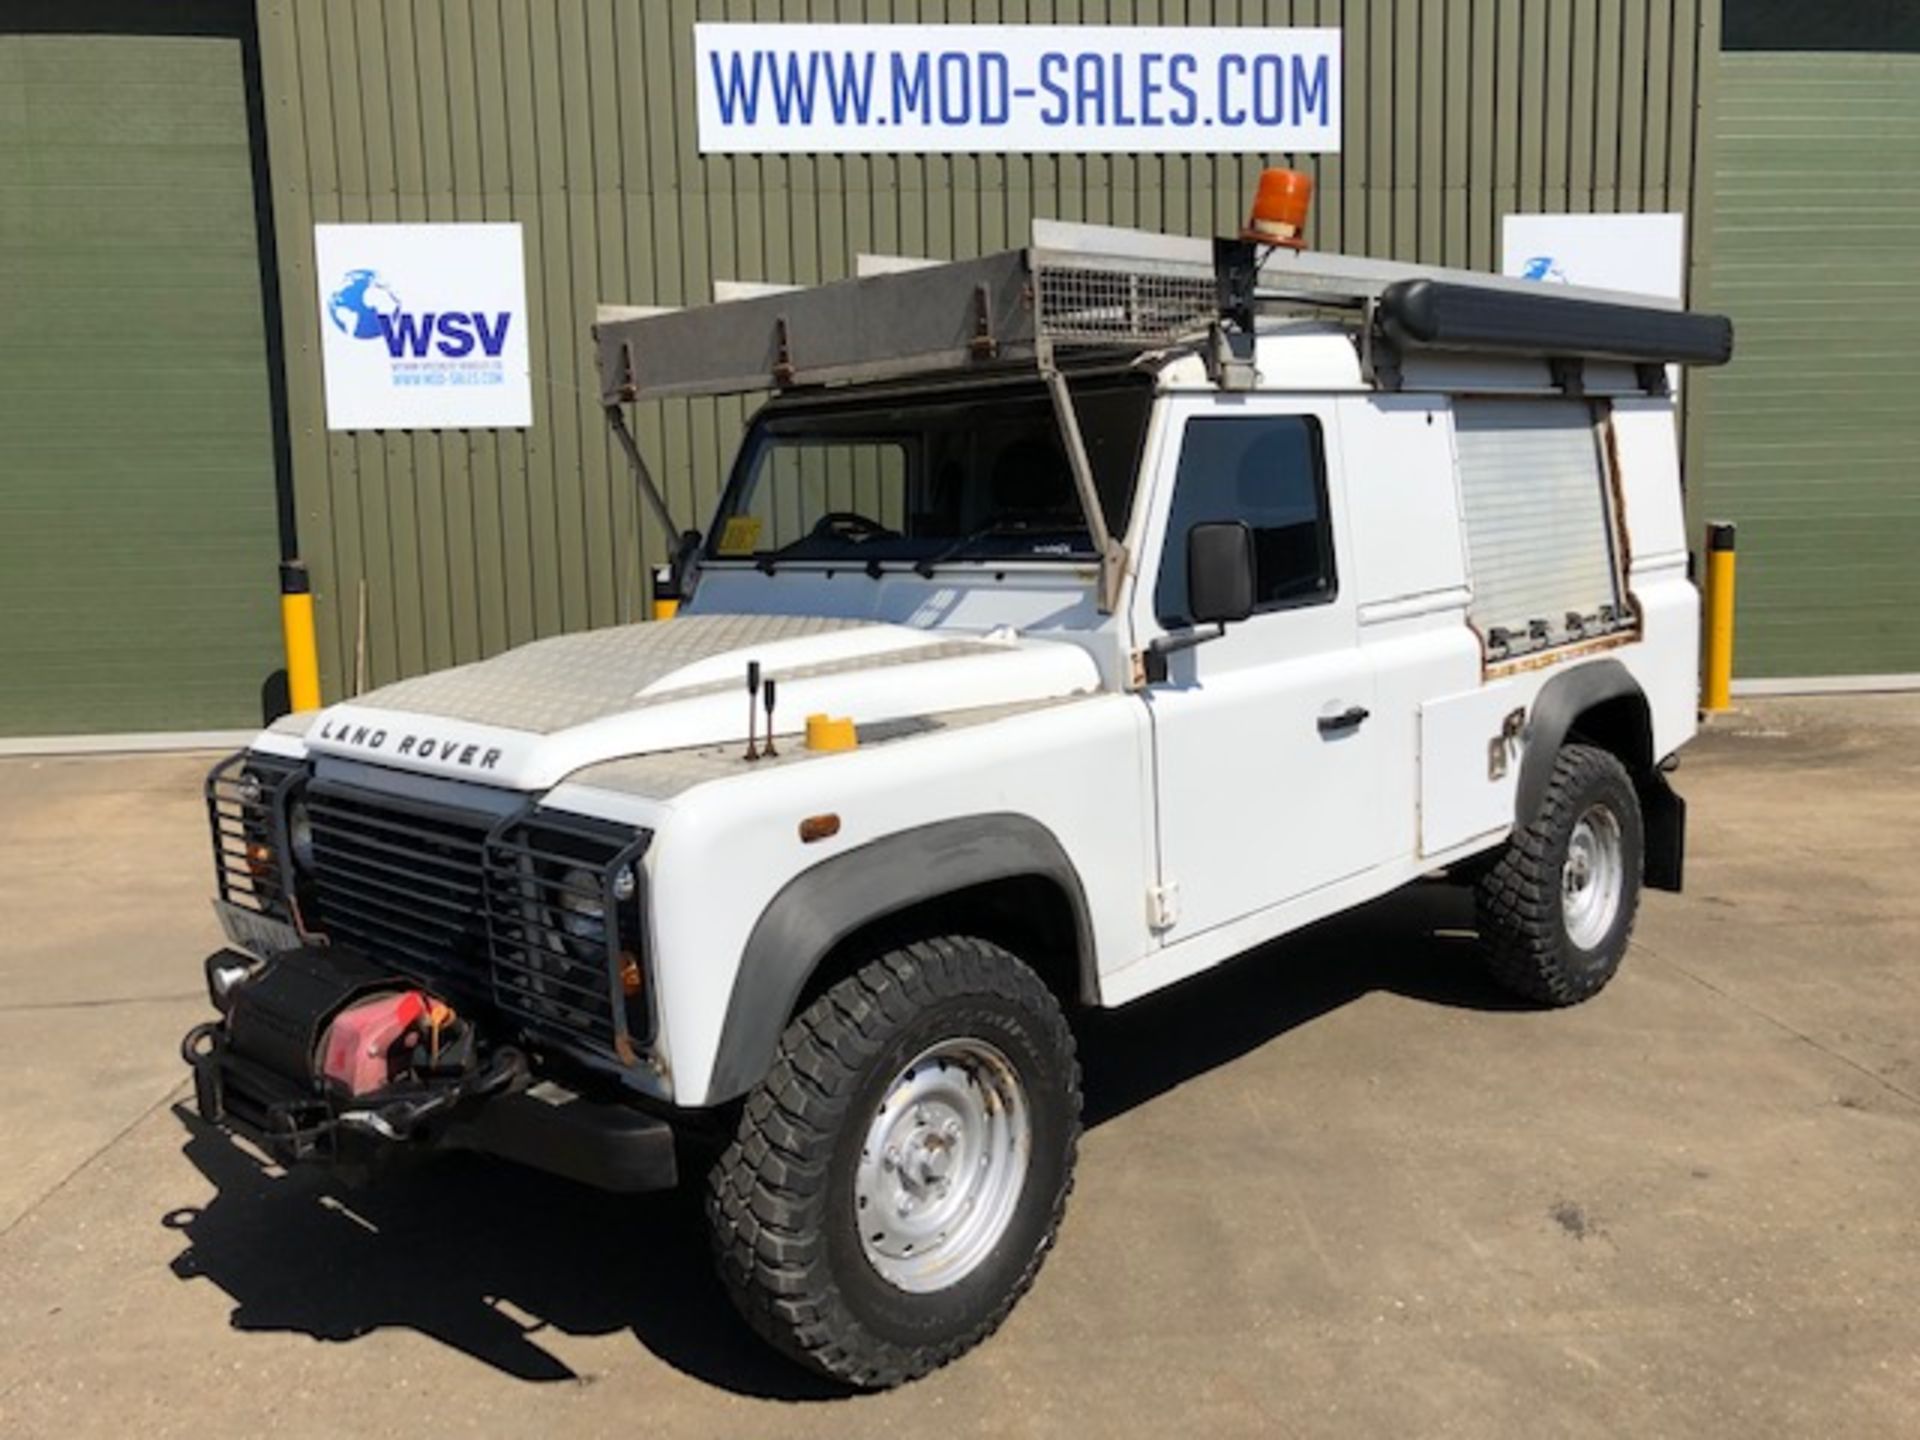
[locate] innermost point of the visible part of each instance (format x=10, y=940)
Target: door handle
x=1348, y=719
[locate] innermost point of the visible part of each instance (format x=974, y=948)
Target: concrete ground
x=1339, y=1188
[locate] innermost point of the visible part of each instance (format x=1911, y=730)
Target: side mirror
x=1219, y=572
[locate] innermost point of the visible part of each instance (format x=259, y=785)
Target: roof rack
x=1080, y=292
x=1102, y=287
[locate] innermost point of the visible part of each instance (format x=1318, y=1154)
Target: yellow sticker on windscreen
x=741, y=535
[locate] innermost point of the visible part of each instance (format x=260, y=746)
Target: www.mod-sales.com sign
x=423, y=327
x=1015, y=88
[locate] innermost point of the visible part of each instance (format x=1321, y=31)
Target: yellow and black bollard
x=1717, y=650
x=666, y=596
x=296, y=628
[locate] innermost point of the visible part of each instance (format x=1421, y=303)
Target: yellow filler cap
x=831, y=732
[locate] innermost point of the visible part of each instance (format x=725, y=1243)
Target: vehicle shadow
x=489, y=1258
x=1418, y=942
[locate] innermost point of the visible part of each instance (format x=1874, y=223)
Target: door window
x=1270, y=472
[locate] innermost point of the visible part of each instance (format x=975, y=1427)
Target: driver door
x=1267, y=771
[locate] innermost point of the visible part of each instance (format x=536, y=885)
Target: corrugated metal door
x=1811, y=435
x=137, y=539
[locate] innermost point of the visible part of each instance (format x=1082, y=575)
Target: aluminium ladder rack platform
x=1101, y=292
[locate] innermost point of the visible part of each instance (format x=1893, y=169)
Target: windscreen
x=976, y=475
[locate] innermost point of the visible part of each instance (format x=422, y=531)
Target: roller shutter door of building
x=1812, y=435
x=137, y=542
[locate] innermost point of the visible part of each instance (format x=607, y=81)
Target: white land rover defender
x=1178, y=593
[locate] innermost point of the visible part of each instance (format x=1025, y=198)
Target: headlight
x=300, y=834
x=582, y=916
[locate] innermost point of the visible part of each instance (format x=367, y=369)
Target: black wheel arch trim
x=823, y=905
x=1561, y=702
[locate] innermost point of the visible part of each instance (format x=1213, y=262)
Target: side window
x=1270, y=471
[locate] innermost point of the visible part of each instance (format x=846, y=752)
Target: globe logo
x=360, y=302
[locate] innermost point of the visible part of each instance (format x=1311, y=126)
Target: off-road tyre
x=1524, y=935
x=781, y=1206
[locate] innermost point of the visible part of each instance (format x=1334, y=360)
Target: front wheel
x=900, y=1174
x=1558, y=906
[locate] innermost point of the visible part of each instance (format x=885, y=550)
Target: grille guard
x=465, y=903
x=239, y=821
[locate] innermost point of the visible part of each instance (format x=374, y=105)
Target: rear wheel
x=900, y=1174
x=1557, y=908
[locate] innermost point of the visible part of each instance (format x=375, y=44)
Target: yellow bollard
x=1717, y=661
x=666, y=600
x=296, y=629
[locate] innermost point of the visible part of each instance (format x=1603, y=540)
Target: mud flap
x=1663, y=819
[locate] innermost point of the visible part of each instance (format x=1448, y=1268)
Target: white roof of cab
x=1290, y=355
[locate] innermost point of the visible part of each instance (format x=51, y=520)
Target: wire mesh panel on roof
x=1099, y=304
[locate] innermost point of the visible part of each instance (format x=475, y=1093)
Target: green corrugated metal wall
x=1812, y=435
x=575, y=117
x=137, y=541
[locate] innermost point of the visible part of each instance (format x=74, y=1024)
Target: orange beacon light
x=1280, y=206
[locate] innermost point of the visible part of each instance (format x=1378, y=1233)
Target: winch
x=317, y=1043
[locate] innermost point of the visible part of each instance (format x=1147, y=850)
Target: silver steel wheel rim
x=942, y=1165
x=1592, y=879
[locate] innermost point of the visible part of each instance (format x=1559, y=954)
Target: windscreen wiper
x=765, y=560
x=998, y=525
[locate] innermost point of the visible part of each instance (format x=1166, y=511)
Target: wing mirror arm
x=1162, y=646
x=1185, y=639
x=1220, y=588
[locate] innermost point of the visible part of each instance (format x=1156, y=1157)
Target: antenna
x=753, y=707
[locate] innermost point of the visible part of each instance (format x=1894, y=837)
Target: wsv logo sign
x=367, y=308
x=423, y=326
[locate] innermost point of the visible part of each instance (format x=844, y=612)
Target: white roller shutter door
x=1540, y=547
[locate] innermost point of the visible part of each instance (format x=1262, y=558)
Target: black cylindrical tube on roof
x=1438, y=315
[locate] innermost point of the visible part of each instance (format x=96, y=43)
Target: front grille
x=247, y=812
x=403, y=886
x=469, y=905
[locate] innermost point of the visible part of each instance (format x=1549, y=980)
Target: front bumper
x=266, y=1093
